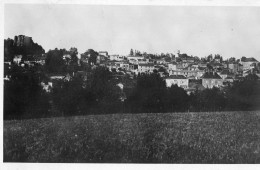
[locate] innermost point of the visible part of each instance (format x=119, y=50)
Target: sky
x=197, y=30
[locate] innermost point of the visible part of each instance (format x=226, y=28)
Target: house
x=103, y=53
x=225, y=64
x=160, y=61
x=229, y=79
x=17, y=59
x=116, y=58
x=145, y=68
x=134, y=58
x=193, y=67
x=216, y=66
x=187, y=73
x=188, y=59
x=248, y=63
x=233, y=67
x=133, y=67
x=124, y=65
x=202, y=65
x=217, y=59
x=185, y=64
x=179, y=66
x=179, y=80
x=172, y=66
x=101, y=59
x=226, y=73
x=47, y=86
x=56, y=76
x=68, y=77
x=112, y=65
x=211, y=79
x=31, y=60
x=246, y=72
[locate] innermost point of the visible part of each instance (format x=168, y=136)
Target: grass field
x=227, y=137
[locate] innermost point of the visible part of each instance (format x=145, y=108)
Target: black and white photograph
x=131, y=84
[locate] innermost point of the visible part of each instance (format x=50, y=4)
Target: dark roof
x=225, y=72
x=211, y=75
x=148, y=64
x=176, y=77
x=201, y=68
x=252, y=59
x=228, y=77
x=215, y=64
x=173, y=63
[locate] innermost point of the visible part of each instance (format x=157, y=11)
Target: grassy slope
x=231, y=137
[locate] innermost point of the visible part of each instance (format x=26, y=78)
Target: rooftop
x=249, y=59
x=176, y=77
x=211, y=75
x=147, y=65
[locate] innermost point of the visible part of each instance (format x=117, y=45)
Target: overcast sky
x=197, y=31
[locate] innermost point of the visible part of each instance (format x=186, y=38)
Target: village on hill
x=188, y=72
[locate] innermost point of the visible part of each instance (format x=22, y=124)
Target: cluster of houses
x=185, y=71
x=188, y=72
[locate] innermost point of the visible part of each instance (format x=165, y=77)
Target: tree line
x=100, y=94
x=24, y=96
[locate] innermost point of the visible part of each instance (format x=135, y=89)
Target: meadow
x=208, y=137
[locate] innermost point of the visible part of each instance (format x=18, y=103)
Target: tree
x=176, y=99
x=131, y=52
x=74, y=53
x=208, y=100
x=138, y=53
x=23, y=95
x=209, y=58
x=244, y=95
x=67, y=96
x=148, y=94
x=54, y=62
x=9, y=50
x=232, y=59
x=92, y=56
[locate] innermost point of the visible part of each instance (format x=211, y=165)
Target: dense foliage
x=23, y=95
x=100, y=94
x=10, y=49
x=96, y=91
x=61, y=61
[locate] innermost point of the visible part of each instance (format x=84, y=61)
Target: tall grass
x=227, y=137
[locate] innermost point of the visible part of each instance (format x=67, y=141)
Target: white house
x=135, y=57
x=116, y=57
x=145, y=68
x=179, y=80
x=17, y=59
x=248, y=63
x=211, y=79
x=172, y=66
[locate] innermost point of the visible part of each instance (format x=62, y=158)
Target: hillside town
x=151, y=82
x=188, y=72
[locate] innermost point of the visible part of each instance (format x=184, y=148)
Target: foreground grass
x=228, y=137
